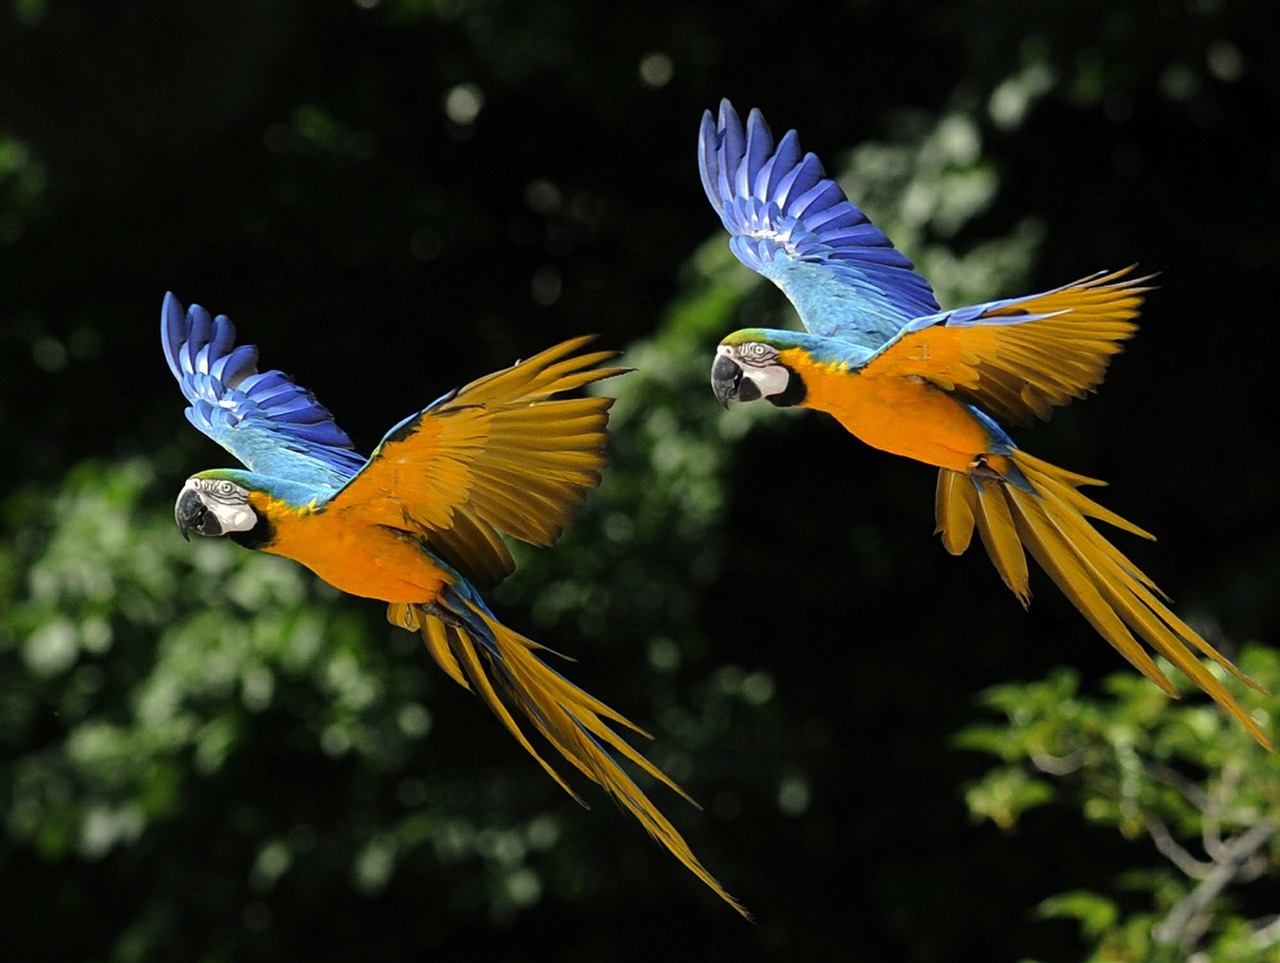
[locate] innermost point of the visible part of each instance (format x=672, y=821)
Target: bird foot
x=436, y=610
x=983, y=471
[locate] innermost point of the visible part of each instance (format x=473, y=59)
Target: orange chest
x=898, y=415
x=371, y=561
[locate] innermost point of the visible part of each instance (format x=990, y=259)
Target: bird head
x=212, y=505
x=748, y=367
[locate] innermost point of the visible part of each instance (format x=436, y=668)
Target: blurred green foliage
x=1180, y=779
x=208, y=755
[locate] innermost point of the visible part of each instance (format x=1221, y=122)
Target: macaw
x=416, y=524
x=898, y=372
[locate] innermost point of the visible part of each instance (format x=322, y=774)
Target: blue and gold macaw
x=416, y=524
x=903, y=375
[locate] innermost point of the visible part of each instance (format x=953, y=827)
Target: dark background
x=294, y=165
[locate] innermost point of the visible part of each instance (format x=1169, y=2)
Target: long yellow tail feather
x=996, y=528
x=574, y=722
x=953, y=508
x=1112, y=593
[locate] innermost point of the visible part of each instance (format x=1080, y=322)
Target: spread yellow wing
x=499, y=455
x=1018, y=368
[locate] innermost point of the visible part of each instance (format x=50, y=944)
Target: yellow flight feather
x=499, y=454
x=1019, y=371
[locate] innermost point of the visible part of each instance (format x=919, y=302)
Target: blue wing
x=271, y=424
x=794, y=225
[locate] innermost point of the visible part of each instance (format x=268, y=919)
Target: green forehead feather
x=747, y=335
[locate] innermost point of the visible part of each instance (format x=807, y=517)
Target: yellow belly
x=899, y=415
x=370, y=561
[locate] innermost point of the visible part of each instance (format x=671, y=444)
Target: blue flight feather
x=975, y=315
x=979, y=314
x=274, y=426
x=791, y=223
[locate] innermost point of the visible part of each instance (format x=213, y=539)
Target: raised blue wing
x=267, y=421
x=794, y=225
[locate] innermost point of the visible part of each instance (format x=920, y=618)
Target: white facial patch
x=226, y=501
x=771, y=381
x=759, y=363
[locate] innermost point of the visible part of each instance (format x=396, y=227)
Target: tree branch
x=1057, y=765
x=1174, y=851
x=1182, y=925
x=1191, y=791
x=1268, y=934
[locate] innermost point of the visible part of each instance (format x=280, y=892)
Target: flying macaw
x=898, y=372
x=416, y=524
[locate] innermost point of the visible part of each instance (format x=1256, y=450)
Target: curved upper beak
x=187, y=510
x=726, y=377
x=183, y=512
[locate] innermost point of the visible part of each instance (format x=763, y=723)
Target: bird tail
x=1028, y=503
x=501, y=666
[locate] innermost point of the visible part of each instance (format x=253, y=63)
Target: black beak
x=726, y=377
x=190, y=512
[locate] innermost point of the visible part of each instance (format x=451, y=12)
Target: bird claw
x=436, y=610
